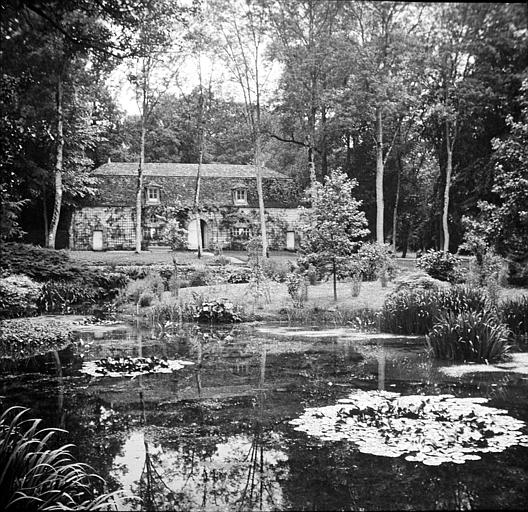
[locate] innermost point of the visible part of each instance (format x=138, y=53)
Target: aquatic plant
x=429, y=429
x=514, y=313
x=414, y=311
x=24, y=337
x=469, y=336
x=216, y=311
x=35, y=477
x=131, y=366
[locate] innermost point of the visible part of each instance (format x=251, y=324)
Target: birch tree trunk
x=262, y=215
x=58, y=165
x=396, y=204
x=45, y=213
x=379, y=178
x=139, y=190
x=197, y=199
x=449, y=172
x=334, y=271
x=141, y=167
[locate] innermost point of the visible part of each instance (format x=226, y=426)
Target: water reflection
x=216, y=435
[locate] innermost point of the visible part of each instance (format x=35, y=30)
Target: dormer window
x=240, y=195
x=153, y=194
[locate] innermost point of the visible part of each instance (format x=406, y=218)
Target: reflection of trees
x=202, y=469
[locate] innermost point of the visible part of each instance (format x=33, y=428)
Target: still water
x=218, y=434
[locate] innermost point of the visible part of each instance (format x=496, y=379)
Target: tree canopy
x=421, y=104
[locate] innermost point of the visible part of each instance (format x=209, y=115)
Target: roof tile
x=177, y=169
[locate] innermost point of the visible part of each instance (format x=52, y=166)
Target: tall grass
x=414, y=311
x=469, y=336
x=35, y=477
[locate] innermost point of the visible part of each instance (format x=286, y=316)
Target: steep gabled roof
x=176, y=169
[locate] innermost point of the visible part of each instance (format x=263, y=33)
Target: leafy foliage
x=414, y=311
x=334, y=227
x=174, y=235
x=376, y=259
x=514, y=313
x=152, y=283
x=476, y=336
x=216, y=311
x=418, y=280
x=297, y=291
x=440, y=265
x=20, y=338
x=37, y=477
x=18, y=296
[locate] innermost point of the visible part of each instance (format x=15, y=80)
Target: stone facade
x=107, y=222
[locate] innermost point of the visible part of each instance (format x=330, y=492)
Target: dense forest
x=424, y=104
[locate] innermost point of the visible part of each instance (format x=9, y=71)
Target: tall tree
x=382, y=50
x=154, y=67
x=304, y=43
x=61, y=43
x=243, y=27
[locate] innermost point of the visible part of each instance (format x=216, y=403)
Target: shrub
x=375, y=260
x=200, y=277
x=152, y=283
x=237, y=275
x=174, y=235
x=215, y=311
x=311, y=275
x=518, y=273
x=20, y=338
x=64, y=296
x=221, y=260
x=276, y=270
x=514, y=313
x=18, y=296
x=296, y=289
x=414, y=311
x=468, y=336
x=146, y=299
x=440, y=265
x=40, y=264
x=36, y=477
x=418, y=280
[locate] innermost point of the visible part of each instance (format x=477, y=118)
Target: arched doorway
x=192, y=235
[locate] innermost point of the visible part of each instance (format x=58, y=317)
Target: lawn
x=187, y=257
x=320, y=296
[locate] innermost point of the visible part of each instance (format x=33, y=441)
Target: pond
x=271, y=417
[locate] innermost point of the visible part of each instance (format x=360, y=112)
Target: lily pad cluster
x=131, y=366
x=428, y=429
